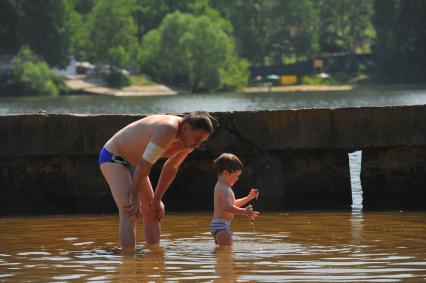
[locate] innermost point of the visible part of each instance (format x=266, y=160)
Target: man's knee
x=146, y=211
x=125, y=218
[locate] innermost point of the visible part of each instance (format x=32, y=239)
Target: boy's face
x=231, y=177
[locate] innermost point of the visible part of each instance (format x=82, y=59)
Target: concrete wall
x=296, y=158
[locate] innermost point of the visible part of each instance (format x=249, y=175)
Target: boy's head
x=228, y=162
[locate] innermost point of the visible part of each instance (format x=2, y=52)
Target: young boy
x=228, y=168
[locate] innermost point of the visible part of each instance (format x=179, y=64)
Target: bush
x=314, y=80
x=115, y=78
x=235, y=73
x=31, y=76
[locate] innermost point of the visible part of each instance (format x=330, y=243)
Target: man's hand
x=133, y=209
x=157, y=209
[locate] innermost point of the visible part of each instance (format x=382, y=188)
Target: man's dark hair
x=199, y=120
x=227, y=161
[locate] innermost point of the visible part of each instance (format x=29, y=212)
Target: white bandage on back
x=152, y=152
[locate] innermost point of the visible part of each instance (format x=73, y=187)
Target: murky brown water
x=280, y=247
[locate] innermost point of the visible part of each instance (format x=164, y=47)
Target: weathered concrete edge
x=52, y=166
x=340, y=128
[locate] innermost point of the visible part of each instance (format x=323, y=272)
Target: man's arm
x=161, y=139
x=168, y=173
x=138, y=189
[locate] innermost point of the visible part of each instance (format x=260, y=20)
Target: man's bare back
x=131, y=141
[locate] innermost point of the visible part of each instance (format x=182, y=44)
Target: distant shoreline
x=298, y=88
x=330, y=88
x=79, y=83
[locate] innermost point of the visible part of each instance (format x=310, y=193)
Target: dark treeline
x=209, y=44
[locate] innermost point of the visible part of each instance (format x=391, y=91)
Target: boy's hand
x=254, y=193
x=250, y=212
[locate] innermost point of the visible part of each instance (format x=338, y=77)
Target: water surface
x=279, y=247
x=83, y=104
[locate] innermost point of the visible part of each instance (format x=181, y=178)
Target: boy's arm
x=242, y=201
x=254, y=193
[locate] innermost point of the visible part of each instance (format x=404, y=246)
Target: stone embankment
x=298, y=159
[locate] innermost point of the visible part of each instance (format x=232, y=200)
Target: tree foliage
x=189, y=52
x=344, y=25
x=264, y=32
x=271, y=29
x=47, y=32
x=297, y=28
x=401, y=40
x=250, y=20
x=111, y=28
x=31, y=76
x=149, y=14
x=292, y=29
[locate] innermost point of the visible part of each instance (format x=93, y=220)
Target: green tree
x=250, y=20
x=206, y=48
x=111, y=26
x=268, y=31
x=83, y=7
x=345, y=25
x=149, y=14
x=401, y=40
x=234, y=73
x=9, y=25
x=79, y=35
x=189, y=52
x=47, y=34
x=292, y=29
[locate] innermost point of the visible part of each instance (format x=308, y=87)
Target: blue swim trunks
x=218, y=225
x=106, y=156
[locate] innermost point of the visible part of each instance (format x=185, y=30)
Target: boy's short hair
x=199, y=120
x=227, y=161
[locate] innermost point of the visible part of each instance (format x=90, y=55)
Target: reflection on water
x=211, y=102
x=286, y=247
x=355, y=170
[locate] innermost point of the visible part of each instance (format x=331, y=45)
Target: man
x=140, y=144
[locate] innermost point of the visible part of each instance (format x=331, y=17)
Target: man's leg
x=151, y=230
x=120, y=181
x=151, y=227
